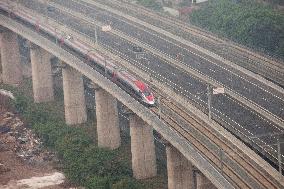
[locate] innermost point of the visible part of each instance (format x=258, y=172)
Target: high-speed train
x=136, y=88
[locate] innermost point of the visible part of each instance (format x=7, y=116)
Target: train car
x=136, y=88
x=121, y=77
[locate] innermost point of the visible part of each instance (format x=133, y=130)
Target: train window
x=146, y=92
x=134, y=92
x=139, y=94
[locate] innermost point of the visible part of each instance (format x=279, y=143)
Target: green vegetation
x=152, y=4
x=82, y=161
x=184, y=3
x=250, y=23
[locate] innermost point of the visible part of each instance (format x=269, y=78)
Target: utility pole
x=210, y=92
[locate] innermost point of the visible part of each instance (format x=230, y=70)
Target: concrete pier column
x=107, y=120
x=180, y=170
x=202, y=182
x=74, y=97
x=25, y=47
x=10, y=58
x=0, y=68
x=142, y=149
x=41, y=75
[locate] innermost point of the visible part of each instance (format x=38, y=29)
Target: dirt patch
x=22, y=156
x=50, y=180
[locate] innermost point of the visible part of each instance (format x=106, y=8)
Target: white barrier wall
x=198, y=1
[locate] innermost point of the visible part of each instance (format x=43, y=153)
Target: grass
x=82, y=161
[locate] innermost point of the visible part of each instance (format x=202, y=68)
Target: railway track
x=260, y=109
x=255, y=62
x=240, y=90
x=131, y=60
x=232, y=162
x=227, y=166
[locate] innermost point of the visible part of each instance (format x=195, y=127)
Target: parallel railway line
x=130, y=59
x=255, y=62
x=260, y=179
x=233, y=162
x=257, y=103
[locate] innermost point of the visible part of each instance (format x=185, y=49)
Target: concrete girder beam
x=179, y=142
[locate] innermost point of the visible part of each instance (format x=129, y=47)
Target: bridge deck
x=238, y=118
x=176, y=140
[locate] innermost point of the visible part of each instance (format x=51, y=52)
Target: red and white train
x=125, y=80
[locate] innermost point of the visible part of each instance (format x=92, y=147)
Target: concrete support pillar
x=202, y=182
x=107, y=120
x=25, y=47
x=74, y=96
x=142, y=149
x=41, y=75
x=180, y=170
x=10, y=59
x=0, y=62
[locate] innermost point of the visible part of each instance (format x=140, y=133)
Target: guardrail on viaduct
x=183, y=145
x=177, y=141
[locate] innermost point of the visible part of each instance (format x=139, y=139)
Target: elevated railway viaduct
x=187, y=146
x=251, y=108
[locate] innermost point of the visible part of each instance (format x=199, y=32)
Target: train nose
x=150, y=99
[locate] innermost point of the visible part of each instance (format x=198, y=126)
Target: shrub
x=247, y=22
x=81, y=165
x=38, y=114
x=71, y=139
x=83, y=162
x=106, y=163
x=98, y=183
x=49, y=132
x=127, y=183
x=152, y=4
x=21, y=104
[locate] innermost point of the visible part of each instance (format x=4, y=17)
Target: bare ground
x=13, y=167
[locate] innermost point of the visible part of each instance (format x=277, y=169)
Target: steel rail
x=184, y=146
x=67, y=32
x=141, y=23
x=176, y=25
x=186, y=42
x=245, y=101
x=164, y=32
x=203, y=138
